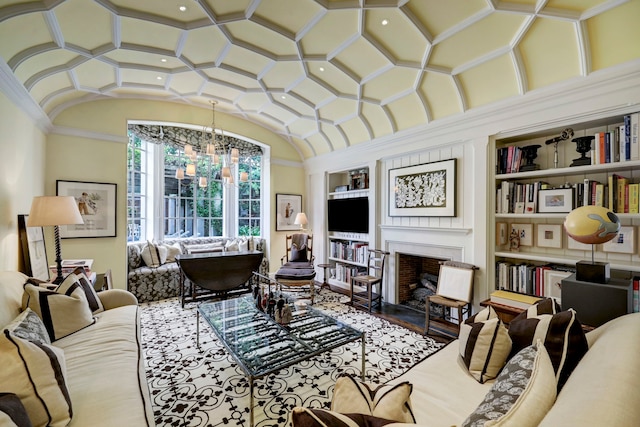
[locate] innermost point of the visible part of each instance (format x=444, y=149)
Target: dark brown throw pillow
x=12, y=411
x=298, y=254
x=305, y=417
x=562, y=335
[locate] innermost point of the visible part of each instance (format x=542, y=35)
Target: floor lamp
x=54, y=211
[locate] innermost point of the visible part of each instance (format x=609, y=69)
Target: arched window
x=219, y=195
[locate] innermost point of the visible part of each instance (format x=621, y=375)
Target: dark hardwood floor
x=411, y=319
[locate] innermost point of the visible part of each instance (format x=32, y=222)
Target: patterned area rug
x=191, y=387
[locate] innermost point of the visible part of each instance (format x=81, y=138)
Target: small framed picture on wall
x=549, y=236
x=623, y=243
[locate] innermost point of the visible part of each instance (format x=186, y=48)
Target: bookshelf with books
x=350, y=226
x=533, y=196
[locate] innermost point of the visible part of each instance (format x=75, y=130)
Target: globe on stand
x=530, y=152
x=583, y=146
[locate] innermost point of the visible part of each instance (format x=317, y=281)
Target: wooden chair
x=455, y=291
x=374, y=276
x=297, y=270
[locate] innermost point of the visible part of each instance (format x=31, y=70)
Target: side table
x=324, y=280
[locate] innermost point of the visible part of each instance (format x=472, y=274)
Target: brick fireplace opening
x=417, y=276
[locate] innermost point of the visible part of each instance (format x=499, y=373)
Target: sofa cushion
x=243, y=245
x=172, y=251
x=61, y=314
x=561, y=334
x=544, y=306
x=28, y=326
x=37, y=375
x=154, y=255
x=12, y=411
x=205, y=247
x=305, y=417
x=232, y=246
x=391, y=402
x=79, y=279
x=521, y=395
x=484, y=345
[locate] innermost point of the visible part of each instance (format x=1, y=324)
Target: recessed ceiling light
x=321, y=68
x=163, y=60
x=159, y=78
x=283, y=97
x=183, y=8
x=385, y=21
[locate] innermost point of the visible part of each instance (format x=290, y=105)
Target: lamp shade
x=54, y=210
x=301, y=219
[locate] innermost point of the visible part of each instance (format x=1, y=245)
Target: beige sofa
x=601, y=391
x=105, y=373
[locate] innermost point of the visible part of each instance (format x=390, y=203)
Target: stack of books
x=513, y=299
x=69, y=265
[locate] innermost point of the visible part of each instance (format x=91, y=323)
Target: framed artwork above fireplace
x=428, y=189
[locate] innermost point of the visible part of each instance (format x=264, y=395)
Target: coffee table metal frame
x=262, y=347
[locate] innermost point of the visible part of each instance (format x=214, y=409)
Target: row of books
x=620, y=144
x=617, y=145
x=528, y=278
x=515, y=197
x=349, y=251
x=618, y=194
x=344, y=273
x=636, y=294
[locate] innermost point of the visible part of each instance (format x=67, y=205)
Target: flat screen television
x=349, y=215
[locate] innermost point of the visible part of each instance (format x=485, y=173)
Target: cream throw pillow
x=391, y=402
x=484, y=345
x=80, y=280
x=154, y=255
x=61, y=314
x=36, y=373
x=172, y=251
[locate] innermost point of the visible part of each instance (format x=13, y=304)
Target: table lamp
x=592, y=225
x=301, y=220
x=54, y=211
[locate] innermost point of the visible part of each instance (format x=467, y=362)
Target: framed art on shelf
x=428, y=189
x=557, y=200
x=97, y=205
x=549, y=235
x=34, y=251
x=525, y=233
x=287, y=207
x=623, y=243
x=502, y=236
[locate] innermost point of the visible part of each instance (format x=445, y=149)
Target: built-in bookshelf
x=533, y=194
x=349, y=192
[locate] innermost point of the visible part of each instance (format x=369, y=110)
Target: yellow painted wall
x=99, y=154
x=22, y=171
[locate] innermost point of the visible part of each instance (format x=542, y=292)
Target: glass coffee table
x=261, y=346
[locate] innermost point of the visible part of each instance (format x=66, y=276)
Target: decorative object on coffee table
x=583, y=146
x=530, y=154
x=592, y=225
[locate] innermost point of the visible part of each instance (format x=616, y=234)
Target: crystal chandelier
x=215, y=151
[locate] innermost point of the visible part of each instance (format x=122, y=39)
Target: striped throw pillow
x=561, y=334
x=62, y=314
x=391, y=402
x=484, y=345
x=79, y=279
x=305, y=417
x=154, y=255
x=36, y=373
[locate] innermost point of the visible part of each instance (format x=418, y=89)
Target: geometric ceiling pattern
x=323, y=74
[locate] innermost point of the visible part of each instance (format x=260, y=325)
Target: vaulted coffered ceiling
x=324, y=74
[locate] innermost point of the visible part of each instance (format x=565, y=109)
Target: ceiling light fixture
x=213, y=150
x=183, y=8
x=385, y=22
